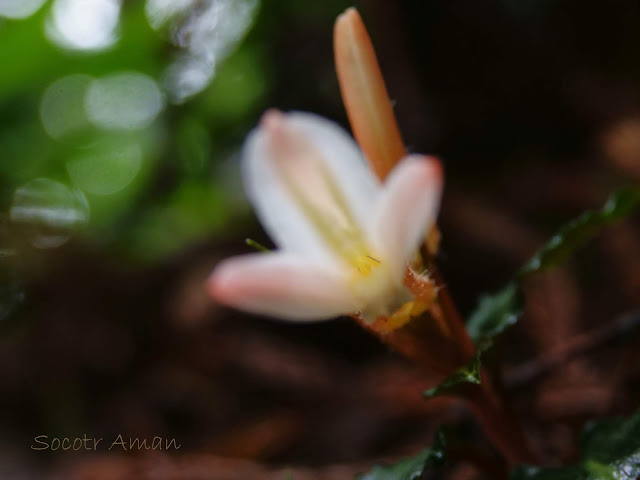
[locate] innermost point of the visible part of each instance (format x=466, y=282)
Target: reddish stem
x=504, y=431
x=502, y=428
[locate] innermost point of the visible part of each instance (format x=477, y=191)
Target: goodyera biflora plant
x=354, y=227
x=347, y=243
x=344, y=240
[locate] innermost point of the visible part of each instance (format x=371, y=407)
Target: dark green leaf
x=538, y=473
x=573, y=234
x=497, y=312
x=410, y=468
x=469, y=374
x=615, y=442
x=610, y=450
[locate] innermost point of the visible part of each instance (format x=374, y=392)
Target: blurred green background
x=121, y=122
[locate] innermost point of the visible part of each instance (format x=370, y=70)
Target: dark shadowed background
x=120, y=129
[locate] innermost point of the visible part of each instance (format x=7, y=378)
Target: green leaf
x=408, y=469
x=538, y=473
x=496, y=312
x=411, y=468
x=575, y=233
x=610, y=451
x=615, y=443
x=465, y=375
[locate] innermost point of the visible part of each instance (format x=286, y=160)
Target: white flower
x=343, y=240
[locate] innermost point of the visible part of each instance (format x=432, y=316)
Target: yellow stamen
x=401, y=317
x=366, y=264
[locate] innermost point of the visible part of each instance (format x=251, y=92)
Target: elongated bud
x=364, y=94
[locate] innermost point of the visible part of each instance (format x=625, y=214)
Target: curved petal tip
x=408, y=208
x=280, y=285
x=221, y=285
x=349, y=15
x=428, y=167
x=271, y=118
x=364, y=94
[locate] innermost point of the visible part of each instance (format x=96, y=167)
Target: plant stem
x=439, y=343
x=502, y=428
x=451, y=314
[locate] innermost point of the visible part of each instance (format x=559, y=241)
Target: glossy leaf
x=610, y=450
x=495, y=313
x=499, y=311
x=575, y=233
x=466, y=375
x=411, y=468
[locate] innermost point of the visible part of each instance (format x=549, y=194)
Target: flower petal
x=408, y=209
x=364, y=94
x=303, y=172
x=280, y=285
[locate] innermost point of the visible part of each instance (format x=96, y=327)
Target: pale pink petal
x=281, y=285
x=300, y=170
x=408, y=208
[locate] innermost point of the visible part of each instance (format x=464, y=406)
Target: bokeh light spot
x=49, y=210
x=62, y=108
x=159, y=12
x=108, y=170
x=84, y=24
x=123, y=101
x=19, y=8
x=207, y=31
